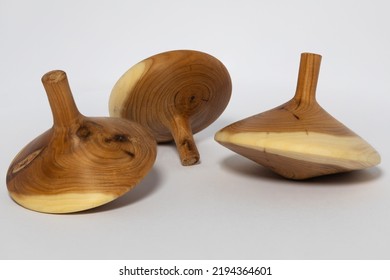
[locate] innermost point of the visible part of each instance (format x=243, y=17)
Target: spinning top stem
x=309, y=70
x=182, y=134
x=60, y=97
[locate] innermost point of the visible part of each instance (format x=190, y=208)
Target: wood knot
x=83, y=132
x=119, y=138
x=130, y=154
x=26, y=161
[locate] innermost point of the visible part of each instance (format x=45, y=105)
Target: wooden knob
x=81, y=162
x=299, y=139
x=174, y=95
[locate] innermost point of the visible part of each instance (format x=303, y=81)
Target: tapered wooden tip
x=54, y=76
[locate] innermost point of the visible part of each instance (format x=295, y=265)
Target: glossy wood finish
x=175, y=95
x=299, y=139
x=81, y=162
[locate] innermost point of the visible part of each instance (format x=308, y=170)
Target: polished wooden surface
x=81, y=162
x=299, y=139
x=174, y=94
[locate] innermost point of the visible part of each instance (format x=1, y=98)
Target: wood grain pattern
x=81, y=162
x=299, y=139
x=174, y=95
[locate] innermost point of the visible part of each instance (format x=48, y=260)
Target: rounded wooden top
x=185, y=83
x=54, y=76
x=80, y=163
x=299, y=139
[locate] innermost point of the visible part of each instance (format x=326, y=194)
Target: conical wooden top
x=299, y=139
x=81, y=162
x=174, y=95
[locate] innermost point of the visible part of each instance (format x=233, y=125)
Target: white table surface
x=227, y=207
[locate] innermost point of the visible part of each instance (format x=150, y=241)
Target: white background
x=227, y=207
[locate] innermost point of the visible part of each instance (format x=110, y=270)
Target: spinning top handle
x=185, y=143
x=60, y=97
x=309, y=70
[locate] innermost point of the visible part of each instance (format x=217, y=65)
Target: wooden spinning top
x=174, y=94
x=299, y=139
x=81, y=162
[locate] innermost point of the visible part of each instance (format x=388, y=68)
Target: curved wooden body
x=81, y=162
x=299, y=139
x=174, y=94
